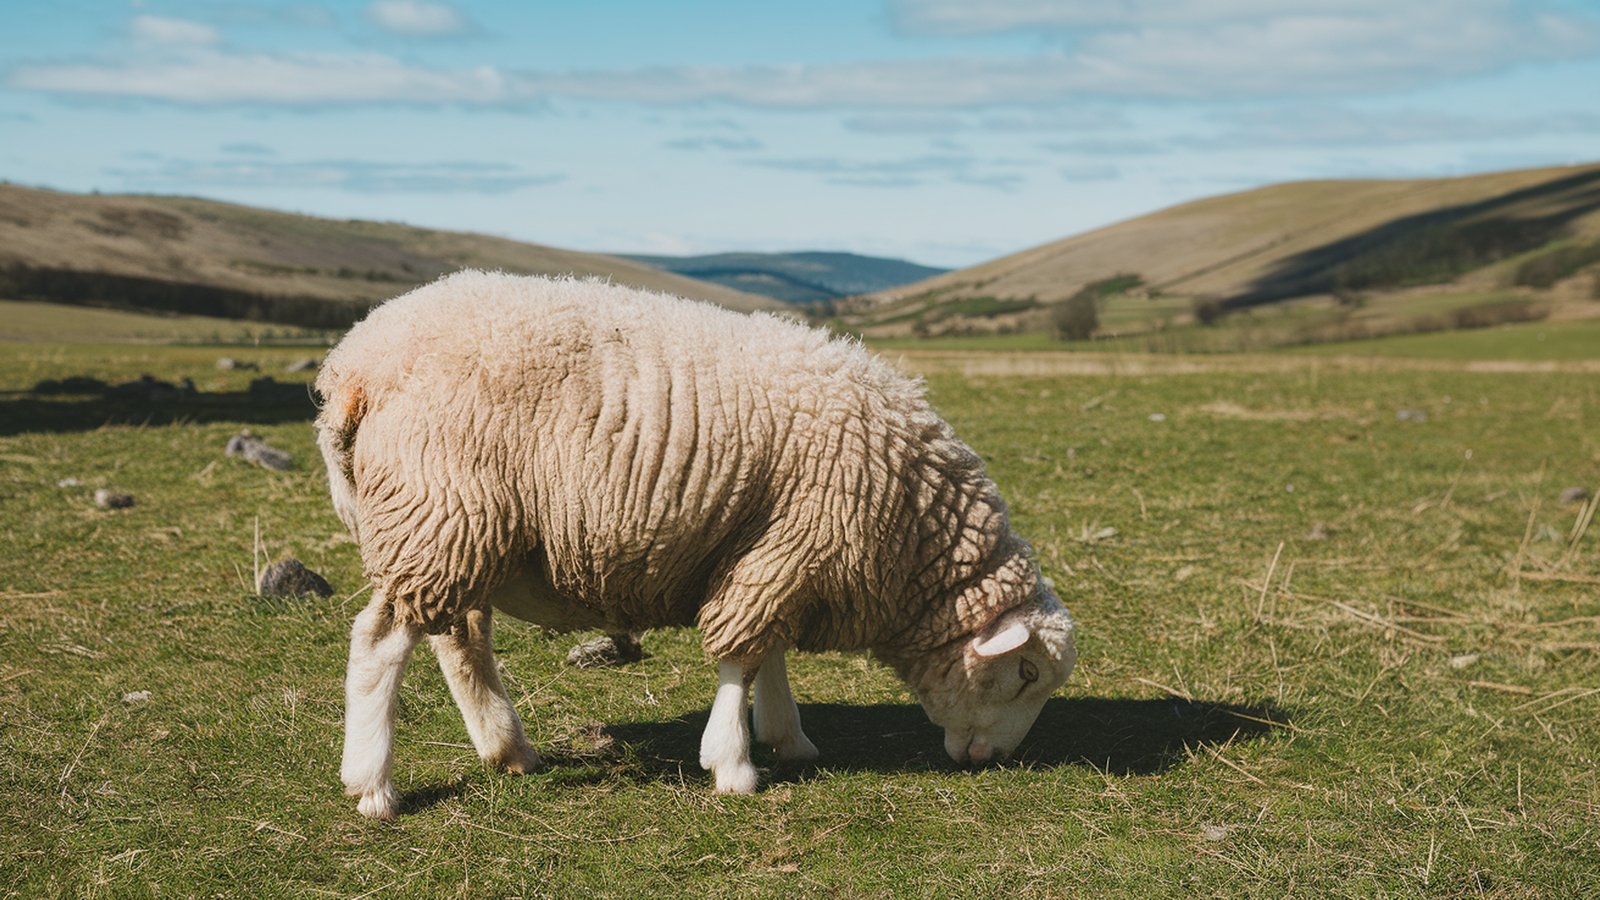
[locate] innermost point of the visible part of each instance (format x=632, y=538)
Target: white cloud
x=357, y=176
x=417, y=18
x=1334, y=126
x=901, y=173
x=1090, y=172
x=938, y=123
x=962, y=17
x=1329, y=48
x=714, y=142
x=164, y=30
x=211, y=77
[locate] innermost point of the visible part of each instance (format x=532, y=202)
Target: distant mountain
x=1275, y=243
x=799, y=278
x=203, y=257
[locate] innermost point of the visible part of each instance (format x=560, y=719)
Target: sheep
x=583, y=455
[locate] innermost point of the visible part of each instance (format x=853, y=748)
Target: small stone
x=1158, y=417
x=69, y=483
x=1214, y=832
x=290, y=578
x=1319, y=532
x=1575, y=495
x=606, y=650
x=136, y=697
x=228, y=362
x=1411, y=415
x=1463, y=660
x=1184, y=573
x=112, y=499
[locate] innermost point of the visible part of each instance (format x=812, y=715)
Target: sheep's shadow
x=88, y=403
x=1120, y=736
x=427, y=797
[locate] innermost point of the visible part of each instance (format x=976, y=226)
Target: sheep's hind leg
x=466, y=655
x=777, y=718
x=725, y=746
x=380, y=648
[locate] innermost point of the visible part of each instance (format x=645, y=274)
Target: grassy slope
x=263, y=251
x=1568, y=340
x=1220, y=245
x=1439, y=716
x=23, y=321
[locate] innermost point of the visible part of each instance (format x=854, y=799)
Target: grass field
x=25, y=321
x=1532, y=341
x=1324, y=651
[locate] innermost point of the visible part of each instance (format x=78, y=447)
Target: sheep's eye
x=1028, y=671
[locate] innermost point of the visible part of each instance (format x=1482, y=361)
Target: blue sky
x=946, y=132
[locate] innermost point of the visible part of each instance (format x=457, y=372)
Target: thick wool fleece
x=630, y=460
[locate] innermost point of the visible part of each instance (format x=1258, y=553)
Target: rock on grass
x=250, y=448
x=290, y=578
x=112, y=499
x=606, y=650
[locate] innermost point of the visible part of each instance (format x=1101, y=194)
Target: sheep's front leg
x=725, y=746
x=380, y=648
x=777, y=718
x=466, y=655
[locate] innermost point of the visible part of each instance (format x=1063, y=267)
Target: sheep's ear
x=1007, y=639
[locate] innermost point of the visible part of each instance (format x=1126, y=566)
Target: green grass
x=1537, y=341
x=1395, y=714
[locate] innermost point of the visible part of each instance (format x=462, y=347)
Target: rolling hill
x=1271, y=244
x=194, y=256
x=799, y=278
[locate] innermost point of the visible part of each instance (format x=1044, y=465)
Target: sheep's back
x=640, y=441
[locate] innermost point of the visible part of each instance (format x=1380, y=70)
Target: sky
x=941, y=131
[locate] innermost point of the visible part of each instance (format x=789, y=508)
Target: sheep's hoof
x=796, y=749
x=519, y=762
x=382, y=804
x=736, y=779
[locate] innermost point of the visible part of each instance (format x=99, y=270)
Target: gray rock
x=112, y=500
x=290, y=578
x=1319, y=532
x=606, y=650
x=250, y=448
x=1575, y=495
x=1411, y=415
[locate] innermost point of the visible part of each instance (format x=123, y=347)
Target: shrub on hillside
x=1209, y=310
x=1077, y=317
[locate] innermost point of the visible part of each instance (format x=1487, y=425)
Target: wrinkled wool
x=640, y=460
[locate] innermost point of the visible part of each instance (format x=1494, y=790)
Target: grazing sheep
x=583, y=455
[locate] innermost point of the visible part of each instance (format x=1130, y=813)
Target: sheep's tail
x=345, y=405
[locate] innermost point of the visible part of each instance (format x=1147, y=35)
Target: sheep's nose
x=956, y=747
x=979, y=752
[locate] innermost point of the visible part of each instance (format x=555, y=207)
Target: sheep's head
x=987, y=690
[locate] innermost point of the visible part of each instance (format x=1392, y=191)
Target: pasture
x=1338, y=637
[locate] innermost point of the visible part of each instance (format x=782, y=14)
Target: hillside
x=187, y=255
x=1271, y=244
x=799, y=278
